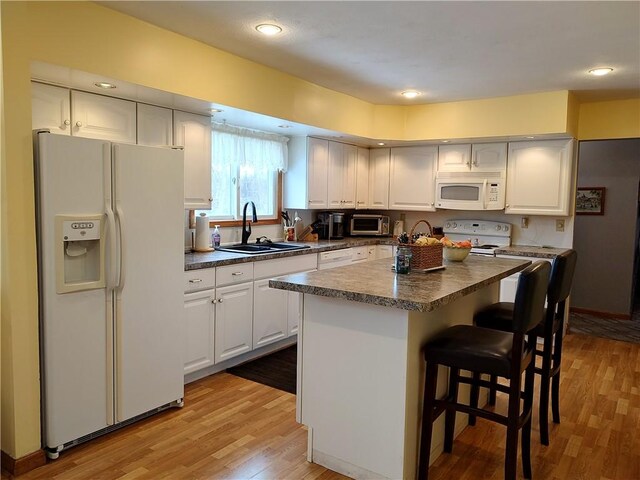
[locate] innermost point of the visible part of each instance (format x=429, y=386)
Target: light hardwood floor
x=232, y=428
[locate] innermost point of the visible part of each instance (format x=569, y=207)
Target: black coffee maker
x=330, y=226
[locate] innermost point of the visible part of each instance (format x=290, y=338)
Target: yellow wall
x=613, y=119
x=91, y=38
x=535, y=114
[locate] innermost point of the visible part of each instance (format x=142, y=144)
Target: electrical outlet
x=524, y=222
x=559, y=225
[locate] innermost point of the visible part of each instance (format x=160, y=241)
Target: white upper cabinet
x=106, y=118
x=305, y=182
x=481, y=157
x=488, y=157
x=379, y=178
x=539, y=178
x=341, y=186
x=362, y=178
x=155, y=125
x=412, y=178
x=454, y=158
x=51, y=108
x=193, y=132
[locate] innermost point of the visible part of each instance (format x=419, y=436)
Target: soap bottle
x=215, y=237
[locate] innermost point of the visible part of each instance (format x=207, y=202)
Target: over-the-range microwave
x=470, y=190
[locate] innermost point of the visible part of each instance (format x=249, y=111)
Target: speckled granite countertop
x=375, y=282
x=196, y=260
x=528, y=251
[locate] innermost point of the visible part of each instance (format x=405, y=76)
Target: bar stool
x=499, y=315
x=486, y=351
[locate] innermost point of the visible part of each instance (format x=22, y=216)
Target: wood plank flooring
x=232, y=428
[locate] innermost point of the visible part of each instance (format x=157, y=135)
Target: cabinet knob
x=210, y=199
x=195, y=280
x=67, y=122
x=78, y=124
x=506, y=205
x=219, y=300
x=213, y=300
x=237, y=274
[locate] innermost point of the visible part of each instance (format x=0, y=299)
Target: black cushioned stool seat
x=486, y=351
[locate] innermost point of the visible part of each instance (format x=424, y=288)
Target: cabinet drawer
x=231, y=274
x=195, y=280
x=284, y=266
x=360, y=254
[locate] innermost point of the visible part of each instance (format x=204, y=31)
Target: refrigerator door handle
x=123, y=253
x=111, y=227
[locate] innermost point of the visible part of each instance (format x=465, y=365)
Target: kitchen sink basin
x=253, y=249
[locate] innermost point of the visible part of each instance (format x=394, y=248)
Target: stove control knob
x=506, y=228
x=454, y=225
x=498, y=227
x=447, y=225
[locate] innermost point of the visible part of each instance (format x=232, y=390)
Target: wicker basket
x=424, y=256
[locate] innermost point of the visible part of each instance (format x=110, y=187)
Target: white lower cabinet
x=199, y=325
x=234, y=320
x=270, y=307
x=384, y=251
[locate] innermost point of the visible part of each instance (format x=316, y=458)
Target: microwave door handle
x=484, y=194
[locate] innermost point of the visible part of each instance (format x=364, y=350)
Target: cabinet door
x=270, y=307
x=349, y=161
x=199, y=327
x=335, y=174
x=362, y=178
x=539, y=178
x=106, y=118
x=234, y=319
x=379, y=178
x=489, y=157
x=454, y=158
x=51, y=108
x=317, y=172
x=155, y=125
x=193, y=132
x=412, y=178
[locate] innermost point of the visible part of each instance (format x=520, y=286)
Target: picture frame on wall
x=590, y=200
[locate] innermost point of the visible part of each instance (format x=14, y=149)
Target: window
x=245, y=167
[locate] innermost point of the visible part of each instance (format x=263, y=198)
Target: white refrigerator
x=110, y=220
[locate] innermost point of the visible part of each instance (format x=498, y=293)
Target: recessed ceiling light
x=284, y=126
x=598, y=72
x=529, y=137
x=104, y=85
x=382, y=144
x=269, y=29
x=410, y=93
x=446, y=141
x=216, y=110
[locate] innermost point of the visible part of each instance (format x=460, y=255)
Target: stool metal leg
x=431, y=380
x=557, y=357
x=492, y=390
x=473, y=398
x=526, y=428
x=450, y=415
x=511, y=450
x=545, y=379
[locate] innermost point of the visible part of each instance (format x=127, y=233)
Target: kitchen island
x=360, y=365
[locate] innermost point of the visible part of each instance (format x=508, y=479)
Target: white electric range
x=485, y=236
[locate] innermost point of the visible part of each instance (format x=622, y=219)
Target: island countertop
x=375, y=282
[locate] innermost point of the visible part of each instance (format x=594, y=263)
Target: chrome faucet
x=246, y=229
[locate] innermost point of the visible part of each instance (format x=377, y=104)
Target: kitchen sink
x=253, y=249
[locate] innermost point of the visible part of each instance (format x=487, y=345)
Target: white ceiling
x=448, y=50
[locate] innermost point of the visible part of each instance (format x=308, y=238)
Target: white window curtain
x=241, y=147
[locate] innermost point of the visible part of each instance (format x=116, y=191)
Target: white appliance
x=110, y=252
x=470, y=190
x=485, y=236
x=335, y=258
